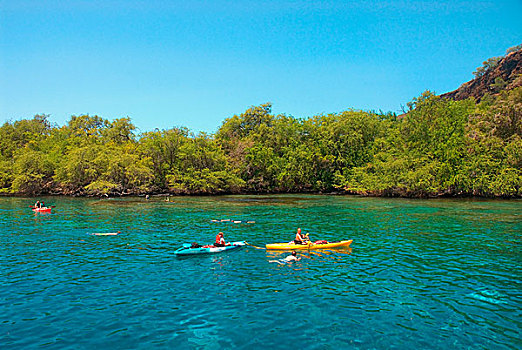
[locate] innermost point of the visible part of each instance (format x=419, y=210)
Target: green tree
x=513, y=49
x=487, y=65
x=32, y=172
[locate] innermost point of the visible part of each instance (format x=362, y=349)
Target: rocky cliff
x=506, y=75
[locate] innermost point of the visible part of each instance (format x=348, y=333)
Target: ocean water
x=434, y=274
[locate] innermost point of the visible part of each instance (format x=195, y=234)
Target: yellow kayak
x=310, y=245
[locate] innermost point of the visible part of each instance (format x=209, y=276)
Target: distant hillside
x=497, y=74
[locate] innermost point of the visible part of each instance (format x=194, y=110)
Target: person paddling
x=37, y=204
x=220, y=240
x=299, y=238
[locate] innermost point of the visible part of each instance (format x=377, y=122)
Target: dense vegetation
x=440, y=147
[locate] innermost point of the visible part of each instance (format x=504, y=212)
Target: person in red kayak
x=299, y=238
x=220, y=240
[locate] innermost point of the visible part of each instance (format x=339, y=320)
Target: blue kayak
x=186, y=249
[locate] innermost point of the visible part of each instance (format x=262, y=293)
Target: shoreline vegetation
x=438, y=148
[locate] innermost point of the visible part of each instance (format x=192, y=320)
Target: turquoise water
x=435, y=274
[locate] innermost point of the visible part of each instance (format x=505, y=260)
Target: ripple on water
x=420, y=274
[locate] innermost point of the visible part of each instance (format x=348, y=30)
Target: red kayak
x=42, y=210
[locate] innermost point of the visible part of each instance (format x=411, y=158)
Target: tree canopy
x=440, y=147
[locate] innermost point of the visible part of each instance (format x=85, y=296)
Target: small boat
x=187, y=249
x=42, y=210
x=309, y=245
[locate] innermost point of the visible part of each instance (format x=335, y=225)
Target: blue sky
x=195, y=63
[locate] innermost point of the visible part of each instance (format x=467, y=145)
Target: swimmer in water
x=289, y=258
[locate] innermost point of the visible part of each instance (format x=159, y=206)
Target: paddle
x=253, y=246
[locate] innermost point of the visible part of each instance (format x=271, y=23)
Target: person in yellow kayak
x=301, y=238
x=220, y=240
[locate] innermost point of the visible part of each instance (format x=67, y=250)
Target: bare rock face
x=506, y=75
